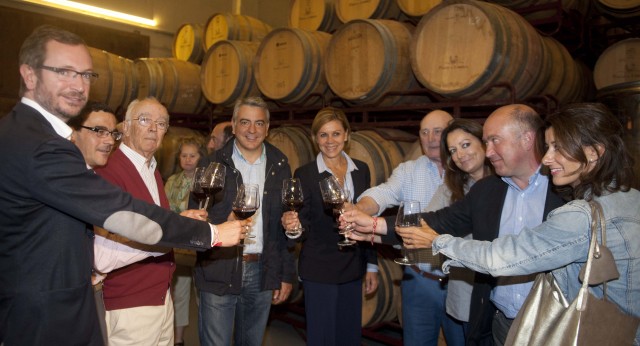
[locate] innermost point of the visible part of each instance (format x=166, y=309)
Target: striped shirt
x=415, y=180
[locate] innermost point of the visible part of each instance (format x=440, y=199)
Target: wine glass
x=196, y=186
x=213, y=180
x=334, y=196
x=246, y=203
x=292, y=198
x=408, y=216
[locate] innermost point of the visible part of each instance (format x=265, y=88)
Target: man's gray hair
x=253, y=101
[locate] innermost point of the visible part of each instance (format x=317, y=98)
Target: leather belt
x=426, y=275
x=251, y=257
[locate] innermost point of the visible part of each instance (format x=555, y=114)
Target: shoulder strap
x=583, y=294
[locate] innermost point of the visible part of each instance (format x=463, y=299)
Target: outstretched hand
x=198, y=214
x=358, y=220
x=417, y=237
x=231, y=232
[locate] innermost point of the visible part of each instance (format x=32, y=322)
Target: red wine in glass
x=196, y=186
x=213, y=181
x=335, y=196
x=246, y=203
x=294, y=205
x=199, y=196
x=243, y=214
x=210, y=191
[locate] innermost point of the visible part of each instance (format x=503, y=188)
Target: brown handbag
x=546, y=318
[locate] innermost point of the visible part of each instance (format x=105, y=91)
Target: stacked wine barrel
x=366, y=53
x=231, y=43
x=174, y=82
x=117, y=84
x=617, y=78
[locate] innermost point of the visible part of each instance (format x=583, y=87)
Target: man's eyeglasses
x=146, y=122
x=67, y=75
x=102, y=132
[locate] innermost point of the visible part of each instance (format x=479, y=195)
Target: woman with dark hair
x=586, y=154
x=332, y=276
x=463, y=156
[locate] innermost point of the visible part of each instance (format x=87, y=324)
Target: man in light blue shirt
x=424, y=286
x=237, y=286
x=523, y=207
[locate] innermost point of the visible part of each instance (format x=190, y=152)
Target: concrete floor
x=283, y=328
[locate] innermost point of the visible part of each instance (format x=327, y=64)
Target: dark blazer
x=321, y=260
x=219, y=270
x=479, y=212
x=47, y=198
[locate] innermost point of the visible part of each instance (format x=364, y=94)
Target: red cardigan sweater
x=144, y=283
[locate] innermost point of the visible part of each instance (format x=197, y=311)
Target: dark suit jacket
x=321, y=260
x=479, y=213
x=47, y=198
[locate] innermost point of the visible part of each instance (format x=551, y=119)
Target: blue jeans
x=424, y=311
x=242, y=316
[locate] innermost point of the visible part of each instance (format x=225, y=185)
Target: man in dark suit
x=48, y=196
x=519, y=197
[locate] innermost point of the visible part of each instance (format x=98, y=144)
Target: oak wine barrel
x=624, y=101
x=380, y=154
x=462, y=47
x=355, y=76
x=117, y=83
x=382, y=305
x=565, y=79
x=175, y=83
x=233, y=27
x=313, y=15
x=348, y=10
x=580, y=6
x=618, y=8
x=618, y=64
x=188, y=43
x=295, y=142
x=288, y=66
x=227, y=72
x=417, y=8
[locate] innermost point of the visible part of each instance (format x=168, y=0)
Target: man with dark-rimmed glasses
x=95, y=134
x=48, y=196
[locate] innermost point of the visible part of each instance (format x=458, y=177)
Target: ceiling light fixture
x=96, y=12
